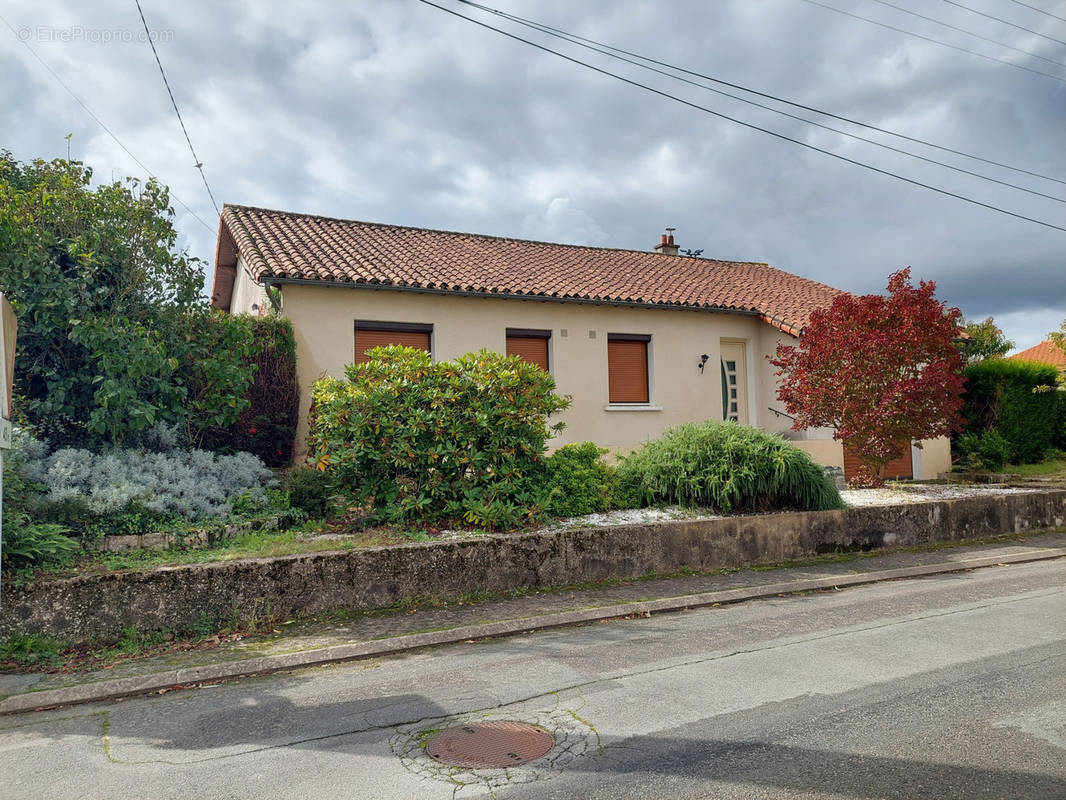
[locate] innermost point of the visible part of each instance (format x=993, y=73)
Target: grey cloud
x=394, y=112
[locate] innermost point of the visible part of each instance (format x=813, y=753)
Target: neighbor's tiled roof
x=1047, y=352
x=286, y=246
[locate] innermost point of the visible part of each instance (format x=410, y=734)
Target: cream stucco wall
x=246, y=292
x=323, y=319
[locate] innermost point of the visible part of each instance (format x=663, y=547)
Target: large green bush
x=418, y=440
x=267, y=424
x=115, y=334
x=1017, y=399
x=727, y=467
x=579, y=482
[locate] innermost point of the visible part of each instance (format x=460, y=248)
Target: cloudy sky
x=394, y=111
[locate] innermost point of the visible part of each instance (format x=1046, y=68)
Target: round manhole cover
x=490, y=745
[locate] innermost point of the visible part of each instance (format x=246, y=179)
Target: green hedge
x=451, y=440
x=724, y=466
x=1018, y=399
x=579, y=482
x=267, y=424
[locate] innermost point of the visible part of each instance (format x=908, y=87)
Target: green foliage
x=114, y=332
x=985, y=340
x=31, y=650
x=1017, y=399
x=309, y=490
x=988, y=450
x=36, y=544
x=727, y=467
x=417, y=440
x=26, y=543
x=267, y=425
x=579, y=482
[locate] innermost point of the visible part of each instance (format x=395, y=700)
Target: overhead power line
x=100, y=122
x=969, y=32
x=935, y=41
x=605, y=50
x=1004, y=22
x=734, y=120
x=1038, y=10
x=196, y=161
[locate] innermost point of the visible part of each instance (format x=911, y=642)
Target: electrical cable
x=1005, y=22
x=767, y=131
x=1038, y=10
x=935, y=41
x=196, y=161
x=573, y=36
x=100, y=122
x=578, y=41
x=969, y=32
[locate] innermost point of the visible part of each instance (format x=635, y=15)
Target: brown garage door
x=367, y=338
x=902, y=467
x=531, y=346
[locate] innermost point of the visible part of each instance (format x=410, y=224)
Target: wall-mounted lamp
x=703, y=361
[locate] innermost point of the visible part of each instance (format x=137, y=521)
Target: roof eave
x=384, y=287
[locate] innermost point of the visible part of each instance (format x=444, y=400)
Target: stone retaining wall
x=175, y=598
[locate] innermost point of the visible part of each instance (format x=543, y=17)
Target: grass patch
x=1051, y=466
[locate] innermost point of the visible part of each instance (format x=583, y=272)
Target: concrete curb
x=142, y=684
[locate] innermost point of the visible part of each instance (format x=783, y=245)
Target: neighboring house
x=1047, y=352
x=640, y=340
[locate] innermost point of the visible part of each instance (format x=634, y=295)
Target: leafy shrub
x=36, y=544
x=725, y=466
x=129, y=491
x=26, y=543
x=267, y=425
x=1015, y=398
x=309, y=490
x=983, y=451
x=578, y=480
x=417, y=440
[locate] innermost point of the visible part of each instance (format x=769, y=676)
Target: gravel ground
x=892, y=494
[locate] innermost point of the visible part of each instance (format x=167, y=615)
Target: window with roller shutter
x=529, y=345
x=627, y=368
x=369, y=335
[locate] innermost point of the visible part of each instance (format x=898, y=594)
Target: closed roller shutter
x=627, y=368
x=369, y=338
x=533, y=349
x=902, y=467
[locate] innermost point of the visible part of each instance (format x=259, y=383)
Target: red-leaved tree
x=880, y=370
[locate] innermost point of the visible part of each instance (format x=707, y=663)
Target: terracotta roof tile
x=1047, y=352
x=287, y=246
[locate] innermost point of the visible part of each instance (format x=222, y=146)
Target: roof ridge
x=328, y=218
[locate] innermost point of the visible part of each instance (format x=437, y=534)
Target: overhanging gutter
x=384, y=287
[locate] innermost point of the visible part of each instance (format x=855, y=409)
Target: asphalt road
x=945, y=687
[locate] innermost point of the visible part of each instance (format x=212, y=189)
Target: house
x=640, y=340
x=1047, y=352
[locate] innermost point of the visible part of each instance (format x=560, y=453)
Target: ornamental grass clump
x=726, y=467
x=417, y=440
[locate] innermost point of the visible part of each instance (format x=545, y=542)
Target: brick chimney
x=666, y=244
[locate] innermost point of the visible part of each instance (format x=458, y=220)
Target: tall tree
x=983, y=340
x=882, y=371
x=108, y=307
